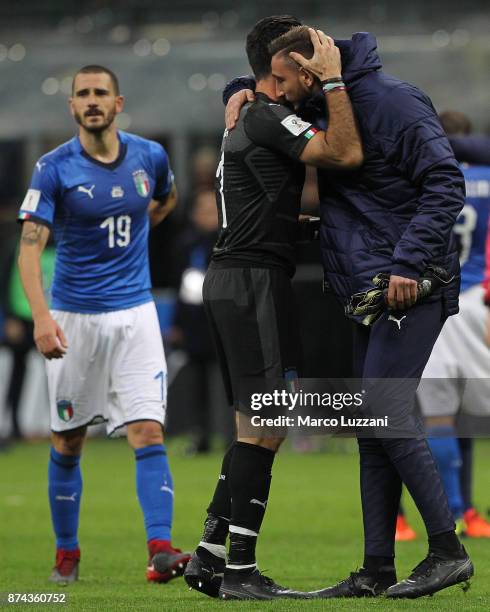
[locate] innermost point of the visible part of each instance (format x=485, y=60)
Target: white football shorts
x=114, y=370
x=457, y=375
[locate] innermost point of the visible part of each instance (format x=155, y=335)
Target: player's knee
x=69, y=443
x=145, y=433
x=272, y=444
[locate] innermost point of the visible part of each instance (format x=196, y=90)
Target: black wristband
x=332, y=80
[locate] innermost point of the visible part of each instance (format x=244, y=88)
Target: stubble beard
x=96, y=129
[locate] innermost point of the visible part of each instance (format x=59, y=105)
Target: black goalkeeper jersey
x=258, y=187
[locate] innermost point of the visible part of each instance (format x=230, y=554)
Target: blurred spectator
x=204, y=165
x=190, y=331
x=469, y=148
x=18, y=326
x=455, y=123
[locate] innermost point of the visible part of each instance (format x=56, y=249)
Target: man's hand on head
x=234, y=106
x=402, y=292
x=325, y=62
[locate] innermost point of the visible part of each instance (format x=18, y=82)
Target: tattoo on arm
x=32, y=233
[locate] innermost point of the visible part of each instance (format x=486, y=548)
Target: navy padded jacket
x=396, y=213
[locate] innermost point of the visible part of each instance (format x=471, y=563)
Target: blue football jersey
x=471, y=226
x=98, y=215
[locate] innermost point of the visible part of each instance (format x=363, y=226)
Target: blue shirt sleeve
x=40, y=201
x=164, y=177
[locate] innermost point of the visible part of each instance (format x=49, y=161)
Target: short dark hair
x=96, y=69
x=259, y=38
x=297, y=39
x=455, y=123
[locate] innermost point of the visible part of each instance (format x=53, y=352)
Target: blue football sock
x=65, y=491
x=446, y=452
x=155, y=491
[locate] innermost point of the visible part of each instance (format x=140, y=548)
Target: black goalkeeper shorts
x=254, y=324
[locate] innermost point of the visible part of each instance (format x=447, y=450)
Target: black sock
x=446, y=543
x=249, y=481
x=242, y=551
x=215, y=530
x=220, y=505
x=374, y=564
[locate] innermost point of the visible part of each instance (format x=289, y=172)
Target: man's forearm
x=237, y=84
x=342, y=135
x=32, y=242
x=31, y=276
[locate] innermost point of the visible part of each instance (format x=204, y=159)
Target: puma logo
x=397, y=321
x=167, y=489
x=366, y=587
x=87, y=191
x=66, y=497
x=256, y=501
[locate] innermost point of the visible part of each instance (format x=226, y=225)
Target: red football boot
x=65, y=570
x=165, y=561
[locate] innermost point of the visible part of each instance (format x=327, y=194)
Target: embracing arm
x=48, y=336
x=339, y=146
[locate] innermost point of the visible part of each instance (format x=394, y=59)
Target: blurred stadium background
x=173, y=59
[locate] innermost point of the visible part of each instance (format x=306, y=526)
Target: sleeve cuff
x=23, y=216
x=237, y=84
x=405, y=271
x=159, y=197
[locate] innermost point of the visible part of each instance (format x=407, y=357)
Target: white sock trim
x=242, y=531
x=240, y=567
x=216, y=549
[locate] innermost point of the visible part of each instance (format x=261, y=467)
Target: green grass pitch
x=311, y=536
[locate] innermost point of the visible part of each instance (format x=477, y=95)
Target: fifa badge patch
x=31, y=200
x=295, y=125
x=65, y=410
x=117, y=192
x=142, y=183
